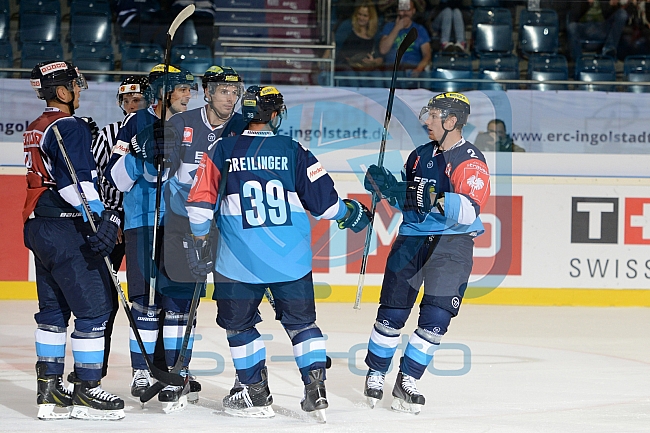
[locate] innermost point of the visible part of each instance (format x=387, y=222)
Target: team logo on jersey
x=415, y=164
x=212, y=136
x=430, y=164
x=455, y=302
x=475, y=183
x=315, y=172
x=188, y=134
x=448, y=170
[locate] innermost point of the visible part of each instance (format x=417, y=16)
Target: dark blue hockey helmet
x=175, y=76
x=259, y=103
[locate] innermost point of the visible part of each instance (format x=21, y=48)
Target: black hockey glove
x=414, y=196
x=141, y=146
x=165, y=139
x=104, y=240
x=94, y=129
x=357, y=217
x=198, y=256
x=378, y=180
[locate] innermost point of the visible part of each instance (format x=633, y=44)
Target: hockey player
x=71, y=276
x=198, y=130
x=130, y=98
x=445, y=184
x=131, y=170
x=265, y=243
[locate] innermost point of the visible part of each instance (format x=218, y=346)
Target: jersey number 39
x=264, y=206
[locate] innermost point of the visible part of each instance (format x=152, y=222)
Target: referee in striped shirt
x=130, y=98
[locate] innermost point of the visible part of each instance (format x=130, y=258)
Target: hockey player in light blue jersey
x=265, y=243
x=445, y=184
x=131, y=169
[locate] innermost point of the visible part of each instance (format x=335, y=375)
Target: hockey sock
x=146, y=320
x=432, y=325
x=248, y=354
x=176, y=315
x=308, y=349
x=50, y=347
x=384, y=337
x=88, y=347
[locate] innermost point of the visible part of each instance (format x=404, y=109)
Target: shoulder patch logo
x=315, y=172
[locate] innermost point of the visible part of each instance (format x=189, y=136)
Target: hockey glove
x=141, y=146
x=378, y=180
x=357, y=217
x=198, y=256
x=414, y=196
x=105, y=239
x=94, y=129
x=165, y=139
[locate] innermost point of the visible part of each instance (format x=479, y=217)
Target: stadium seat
x=596, y=68
x=538, y=32
x=141, y=57
x=249, y=69
x=39, y=27
x=94, y=57
x=196, y=58
x=485, y=3
x=4, y=25
x=90, y=28
x=36, y=52
x=43, y=6
x=492, y=31
x=449, y=67
x=545, y=67
x=498, y=67
x=637, y=69
x=90, y=6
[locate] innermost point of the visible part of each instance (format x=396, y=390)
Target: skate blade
x=372, y=402
x=175, y=406
x=252, y=412
x=400, y=405
x=319, y=415
x=86, y=413
x=46, y=412
x=193, y=397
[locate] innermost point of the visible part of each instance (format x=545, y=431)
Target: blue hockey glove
x=357, y=217
x=105, y=239
x=154, y=142
x=378, y=180
x=198, y=256
x=413, y=196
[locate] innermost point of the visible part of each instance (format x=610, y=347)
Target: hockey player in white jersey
x=265, y=243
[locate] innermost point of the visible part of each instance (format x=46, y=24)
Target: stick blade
x=411, y=36
x=182, y=16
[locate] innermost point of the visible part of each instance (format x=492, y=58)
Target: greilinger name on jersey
x=252, y=163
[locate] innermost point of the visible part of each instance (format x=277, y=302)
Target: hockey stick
x=411, y=36
x=174, y=379
x=158, y=386
x=182, y=16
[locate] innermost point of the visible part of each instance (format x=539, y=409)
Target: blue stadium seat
x=36, y=52
x=498, y=67
x=538, y=31
x=90, y=6
x=545, y=67
x=596, y=68
x=196, y=58
x=43, y=6
x=4, y=24
x=637, y=69
x=94, y=57
x=6, y=57
x=90, y=28
x=450, y=66
x=492, y=31
x=141, y=57
x=40, y=27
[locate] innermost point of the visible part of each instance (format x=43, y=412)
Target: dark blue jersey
x=265, y=234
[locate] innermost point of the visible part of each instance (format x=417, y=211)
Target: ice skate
x=195, y=388
x=374, y=386
x=251, y=401
x=407, y=397
x=52, y=394
x=140, y=382
x=237, y=386
x=174, y=398
x=315, y=399
x=91, y=402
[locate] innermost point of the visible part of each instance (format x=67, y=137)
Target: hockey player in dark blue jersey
x=131, y=169
x=265, y=243
x=445, y=184
x=71, y=277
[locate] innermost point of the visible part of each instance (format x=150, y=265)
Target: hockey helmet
x=221, y=74
x=448, y=103
x=175, y=76
x=132, y=84
x=259, y=103
x=46, y=76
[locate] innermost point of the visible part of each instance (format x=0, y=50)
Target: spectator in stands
x=388, y=8
x=496, y=139
x=418, y=56
x=450, y=17
x=596, y=20
x=359, y=50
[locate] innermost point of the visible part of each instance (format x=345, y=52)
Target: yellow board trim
x=26, y=290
